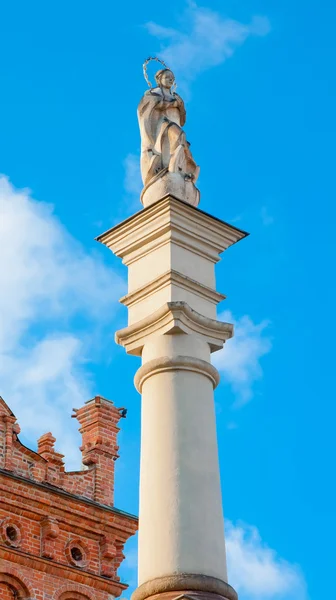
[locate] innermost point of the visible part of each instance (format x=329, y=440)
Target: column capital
x=174, y=220
x=174, y=317
x=176, y=363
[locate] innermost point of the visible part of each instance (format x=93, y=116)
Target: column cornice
x=174, y=317
x=170, y=219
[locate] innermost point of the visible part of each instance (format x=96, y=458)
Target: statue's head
x=165, y=78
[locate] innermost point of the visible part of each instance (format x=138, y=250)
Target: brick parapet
x=98, y=419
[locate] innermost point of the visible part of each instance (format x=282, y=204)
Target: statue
x=167, y=165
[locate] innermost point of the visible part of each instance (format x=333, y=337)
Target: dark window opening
x=76, y=554
x=11, y=533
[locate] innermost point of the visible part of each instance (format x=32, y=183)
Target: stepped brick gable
x=61, y=538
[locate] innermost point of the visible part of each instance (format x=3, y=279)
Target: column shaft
x=181, y=519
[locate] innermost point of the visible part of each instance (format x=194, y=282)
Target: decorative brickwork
x=60, y=536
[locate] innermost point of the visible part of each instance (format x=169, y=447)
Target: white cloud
x=42, y=384
x=206, y=39
x=256, y=571
x=49, y=285
x=239, y=361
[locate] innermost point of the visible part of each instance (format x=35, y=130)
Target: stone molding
x=172, y=277
x=183, y=583
x=170, y=220
x=174, y=317
x=177, y=363
x=187, y=595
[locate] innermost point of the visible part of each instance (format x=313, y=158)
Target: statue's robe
x=163, y=141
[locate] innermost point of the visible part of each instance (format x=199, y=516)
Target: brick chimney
x=98, y=419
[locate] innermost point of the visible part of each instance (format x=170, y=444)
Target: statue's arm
x=147, y=101
x=147, y=105
x=181, y=108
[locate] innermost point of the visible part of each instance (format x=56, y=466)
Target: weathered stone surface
x=167, y=165
x=185, y=586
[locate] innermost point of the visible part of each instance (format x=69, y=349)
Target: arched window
x=11, y=588
x=7, y=592
x=73, y=596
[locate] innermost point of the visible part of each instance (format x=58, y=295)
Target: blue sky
x=258, y=79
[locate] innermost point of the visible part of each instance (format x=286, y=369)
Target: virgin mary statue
x=164, y=147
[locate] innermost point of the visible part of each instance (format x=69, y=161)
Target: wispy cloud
x=256, y=571
x=239, y=361
x=53, y=292
x=204, y=39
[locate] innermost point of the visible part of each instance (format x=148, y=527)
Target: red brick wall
x=6, y=591
x=59, y=535
x=39, y=585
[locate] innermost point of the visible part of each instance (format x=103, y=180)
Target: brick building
x=61, y=538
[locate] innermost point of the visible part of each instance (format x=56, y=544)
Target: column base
x=165, y=183
x=185, y=586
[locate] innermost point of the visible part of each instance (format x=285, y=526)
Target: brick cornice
x=60, y=492
x=92, y=524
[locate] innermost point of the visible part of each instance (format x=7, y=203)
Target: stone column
x=170, y=249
